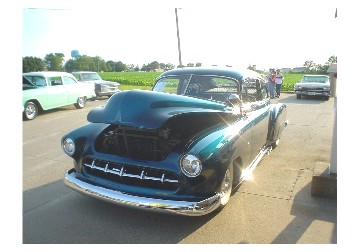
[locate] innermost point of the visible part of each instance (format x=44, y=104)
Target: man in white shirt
x=279, y=79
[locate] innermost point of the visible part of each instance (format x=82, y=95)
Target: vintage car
x=48, y=90
x=102, y=87
x=313, y=85
x=183, y=147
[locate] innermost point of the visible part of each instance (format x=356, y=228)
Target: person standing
x=271, y=82
x=279, y=79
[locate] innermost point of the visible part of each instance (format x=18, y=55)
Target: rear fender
x=277, y=123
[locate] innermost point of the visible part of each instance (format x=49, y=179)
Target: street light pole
x=178, y=37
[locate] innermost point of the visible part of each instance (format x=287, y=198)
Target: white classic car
x=48, y=90
x=101, y=87
x=313, y=85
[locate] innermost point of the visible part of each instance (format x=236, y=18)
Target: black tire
x=326, y=98
x=80, y=103
x=298, y=96
x=31, y=110
x=226, y=187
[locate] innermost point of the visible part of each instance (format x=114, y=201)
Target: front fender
x=277, y=123
x=83, y=137
x=215, y=150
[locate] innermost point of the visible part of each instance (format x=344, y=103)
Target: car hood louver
x=150, y=109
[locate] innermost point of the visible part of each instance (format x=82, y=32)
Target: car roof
x=48, y=74
x=235, y=73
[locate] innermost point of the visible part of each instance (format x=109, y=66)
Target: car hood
x=108, y=83
x=150, y=109
x=313, y=84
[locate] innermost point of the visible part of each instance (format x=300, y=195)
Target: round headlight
x=68, y=146
x=190, y=165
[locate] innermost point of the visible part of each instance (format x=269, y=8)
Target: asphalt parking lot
x=274, y=207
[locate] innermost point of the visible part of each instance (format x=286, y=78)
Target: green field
x=131, y=78
x=145, y=80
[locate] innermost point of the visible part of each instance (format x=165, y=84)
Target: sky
x=264, y=33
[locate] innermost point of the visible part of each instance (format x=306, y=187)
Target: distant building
x=285, y=70
x=298, y=70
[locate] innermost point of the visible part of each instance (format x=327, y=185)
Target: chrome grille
x=313, y=89
x=108, y=88
x=131, y=175
x=131, y=142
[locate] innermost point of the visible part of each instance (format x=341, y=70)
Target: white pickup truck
x=101, y=87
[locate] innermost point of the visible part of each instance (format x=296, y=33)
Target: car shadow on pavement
x=309, y=210
x=303, y=100
x=55, y=214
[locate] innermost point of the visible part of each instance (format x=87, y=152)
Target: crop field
x=145, y=80
x=131, y=78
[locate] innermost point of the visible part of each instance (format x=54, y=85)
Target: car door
x=57, y=94
x=73, y=89
x=257, y=109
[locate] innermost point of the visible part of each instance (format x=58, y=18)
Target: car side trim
x=79, y=183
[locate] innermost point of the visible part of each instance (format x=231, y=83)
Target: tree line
x=310, y=67
x=56, y=62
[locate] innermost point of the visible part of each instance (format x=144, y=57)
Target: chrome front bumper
x=312, y=93
x=170, y=206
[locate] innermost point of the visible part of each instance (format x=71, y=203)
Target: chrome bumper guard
x=170, y=206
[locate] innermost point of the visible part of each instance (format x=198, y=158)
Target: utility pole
x=178, y=36
x=333, y=79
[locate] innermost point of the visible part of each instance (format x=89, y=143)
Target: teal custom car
x=183, y=147
x=48, y=90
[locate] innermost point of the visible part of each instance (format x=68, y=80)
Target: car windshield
x=196, y=85
x=320, y=79
x=90, y=76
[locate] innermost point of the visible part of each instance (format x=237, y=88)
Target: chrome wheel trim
x=81, y=102
x=30, y=111
x=226, y=186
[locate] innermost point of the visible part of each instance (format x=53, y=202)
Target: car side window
x=249, y=91
x=37, y=80
x=254, y=90
x=218, y=85
x=262, y=89
x=77, y=76
x=68, y=80
x=55, y=81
